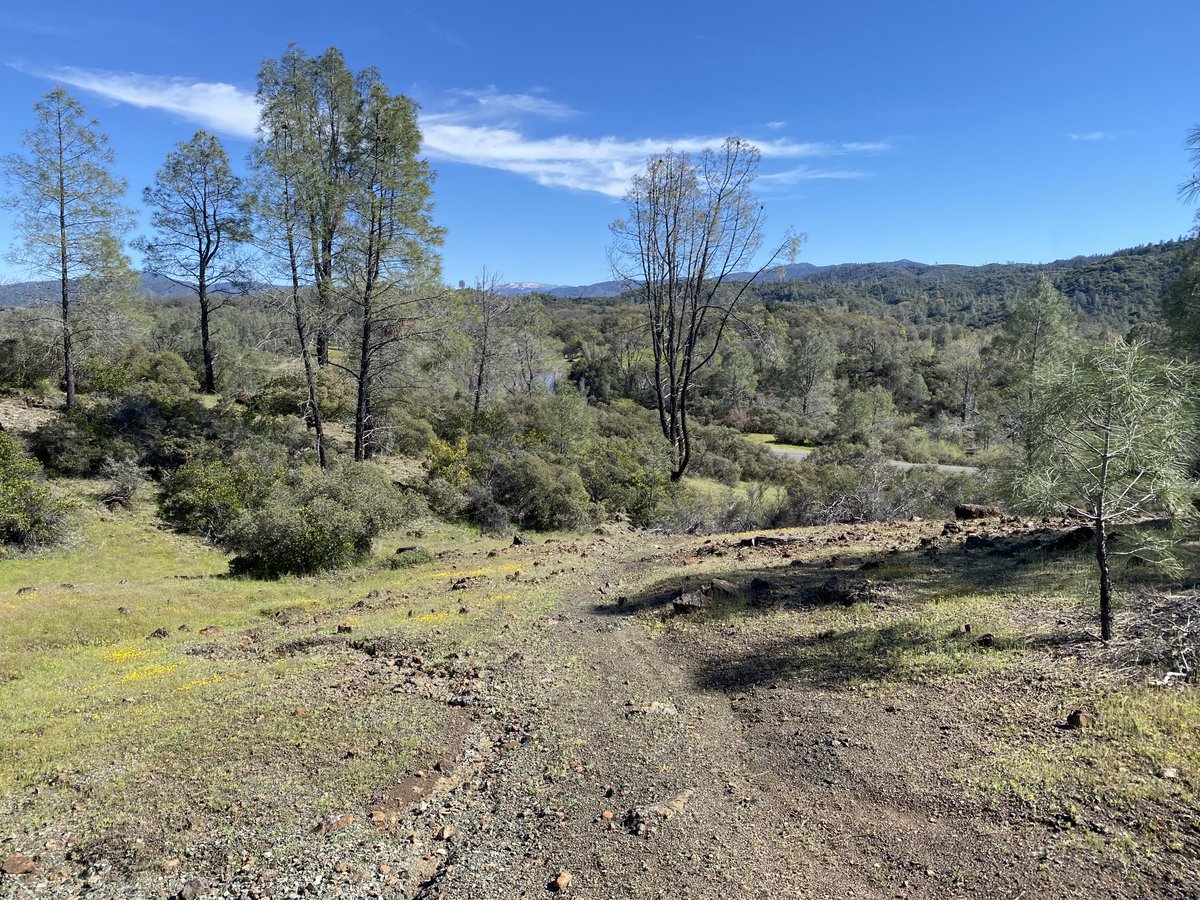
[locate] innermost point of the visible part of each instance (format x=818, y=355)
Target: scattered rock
x=211, y=630
x=158, y=634
x=760, y=587
x=966, y=511
x=125, y=610
x=29, y=589
x=519, y=541
x=1080, y=719
x=843, y=590
x=978, y=542
x=344, y=629
x=18, y=864
x=639, y=820
x=986, y=640
x=191, y=890
x=561, y=882
x=446, y=832
x=658, y=708
x=335, y=823
x=951, y=528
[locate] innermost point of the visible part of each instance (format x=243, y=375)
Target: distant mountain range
x=1123, y=286
x=23, y=293
x=853, y=273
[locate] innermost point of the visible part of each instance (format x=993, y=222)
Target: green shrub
x=160, y=434
x=31, y=514
x=78, y=442
x=163, y=375
x=286, y=394
x=125, y=480
x=205, y=497
x=847, y=483
x=24, y=362
x=313, y=521
x=408, y=436
x=409, y=557
x=627, y=476
x=529, y=491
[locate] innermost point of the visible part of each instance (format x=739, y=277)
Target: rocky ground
x=859, y=711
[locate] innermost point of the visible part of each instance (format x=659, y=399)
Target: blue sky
x=963, y=131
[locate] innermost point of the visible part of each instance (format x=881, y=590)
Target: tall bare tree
x=487, y=327
x=201, y=222
x=691, y=225
x=70, y=216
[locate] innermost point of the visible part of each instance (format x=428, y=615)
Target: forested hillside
x=1117, y=289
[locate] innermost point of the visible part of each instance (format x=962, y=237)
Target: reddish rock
x=18, y=864
x=561, y=882
x=336, y=823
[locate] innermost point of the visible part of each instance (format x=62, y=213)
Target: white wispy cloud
x=479, y=128
x=1093, y=136
x=492, y=104
x=222, y=107
x=797, y=174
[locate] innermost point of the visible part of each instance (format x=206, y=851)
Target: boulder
x=1073, y=541
x=690, y=602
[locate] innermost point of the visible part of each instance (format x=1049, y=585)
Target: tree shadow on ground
x=901, y=617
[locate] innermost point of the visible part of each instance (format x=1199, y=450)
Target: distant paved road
x=797, y=453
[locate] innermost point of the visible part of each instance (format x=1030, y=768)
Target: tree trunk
x=210, y=380
x=1105, y=580
x=68, y=352
x=362, y=412
x=322, y=347
x=480, y=373
x=298, y=320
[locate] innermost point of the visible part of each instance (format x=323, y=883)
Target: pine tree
x=70, y=218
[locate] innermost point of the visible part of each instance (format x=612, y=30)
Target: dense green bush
x=164, y=375
x=25, y=362
x=312, y=521
x=31, y=514
x=161, y=434
x=528, y=491
x=286, y=394
x=78, y=442
x=205, y=497
x=627, y=477
x=409, y=557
